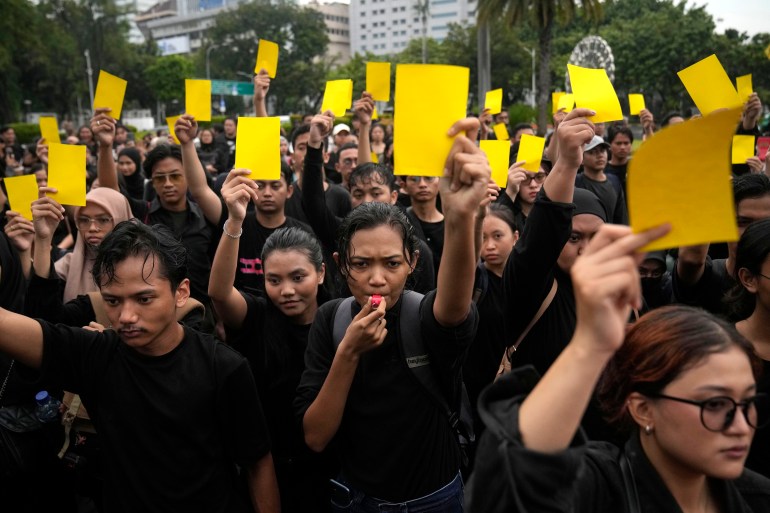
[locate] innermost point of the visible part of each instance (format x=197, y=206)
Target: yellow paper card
x=566, y=102
x=375, y=159
x=49, y=129
x=338, y=96
x=709, y=86
x=743, y=148
x=22, y=191
x=67, y=173
x=699, y=203
x=171, y=121
x=593, y=90
x=375, y=116
x=555, y=100
x=198, y=99
x=501, y=132
x=494, y=101
x=378, y=80
x=267, y=57
x=258, y=147
x=498, y=153
x=635, y=104
x=430, y=98
x=744, y=86
x=531, y=151
x=110, y=91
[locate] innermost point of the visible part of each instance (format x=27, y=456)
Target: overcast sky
x=752, y=16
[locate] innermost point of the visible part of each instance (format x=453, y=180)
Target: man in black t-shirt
x=424, y=215
x=177, y=412
x=606, y=187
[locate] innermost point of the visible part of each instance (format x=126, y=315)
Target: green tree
x=300, y=34
x=166, y=76
x=541, y=15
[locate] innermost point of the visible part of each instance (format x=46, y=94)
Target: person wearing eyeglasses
x=522, y=190
x=683, y=386
x=607, y=187
x=103, y=210
x=749, y=303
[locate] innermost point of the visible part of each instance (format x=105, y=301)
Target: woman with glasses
x=750, y=304
x=683, y=385
x=523, y=188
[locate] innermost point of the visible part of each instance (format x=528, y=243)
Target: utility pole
x=484, y=61
x=90, y=73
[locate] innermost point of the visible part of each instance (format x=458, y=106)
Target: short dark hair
x=234, y=119
x=617, y=129
x=134, y=238
x=158, y=153
x=520, y=126
x=368, y=216
x=369, y=171
x=286, y=173
x=668, y=117
x=504, y=214
x=346, y=146
x=750, y=186
x=301, y=129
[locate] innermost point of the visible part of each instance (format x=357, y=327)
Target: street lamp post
x=208, y=67
x=90, y=73
x=533, y=101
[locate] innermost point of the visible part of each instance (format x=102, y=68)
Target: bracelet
x=224, y=230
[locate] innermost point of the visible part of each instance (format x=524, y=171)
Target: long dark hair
x=753, y=249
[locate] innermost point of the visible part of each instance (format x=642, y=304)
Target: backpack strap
x=482, y=283
x=343, y=316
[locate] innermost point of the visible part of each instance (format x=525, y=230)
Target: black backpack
x=457, y=411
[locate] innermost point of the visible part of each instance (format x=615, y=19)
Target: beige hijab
x=75, y=268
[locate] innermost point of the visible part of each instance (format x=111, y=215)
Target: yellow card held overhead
x=531, y=151
x=593, y=90
x=743, y=148
x=338, y=96
x=635, y=104
x=171, y=121
x=198, y=99
x=566, y=102
x=375, y=115
x=22, y=191
x=709, y=86
x=258, y=147
x=494, y=101
x=501, y=132
x=110, y=91
x=699, y=203
x=67, y=173
x=745, y=87
x=555, y=101
x=49, y=129
x=267, y=57
x=430, y=98
x=498, y=153
x=378, y=80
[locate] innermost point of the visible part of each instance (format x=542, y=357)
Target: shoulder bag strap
x=629, y=485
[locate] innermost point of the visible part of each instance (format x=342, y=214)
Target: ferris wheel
x=591, y=52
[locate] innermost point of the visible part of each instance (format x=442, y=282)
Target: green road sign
x=232, y=88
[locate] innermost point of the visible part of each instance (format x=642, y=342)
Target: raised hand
x=185, y=128
x=752, y=111
x=47, y=213
x=573, y=133
x=466, y=171
x=755, y=165
x=20, y=231
x=237, y=190
x=261, y=85
x=364, y=108
x=103, y=127
x=607, y=284
x=320, y=127
x=648, y=122
x=516, y=175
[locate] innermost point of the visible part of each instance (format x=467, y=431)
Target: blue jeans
x=448, y=499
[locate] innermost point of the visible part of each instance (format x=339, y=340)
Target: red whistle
x=376, y=299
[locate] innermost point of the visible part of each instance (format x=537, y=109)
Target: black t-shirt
x=610, y=196
x=759, y=455
x=708, y=292
x=618, y=170
x=337, y=201
x=434, y=238
x=250, y=277
x=394, y=443
x=275, y=349
x=172, y=428
x=484, y=355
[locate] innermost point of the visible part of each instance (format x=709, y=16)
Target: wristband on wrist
x=224, y=230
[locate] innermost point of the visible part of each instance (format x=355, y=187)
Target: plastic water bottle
x=47, y=407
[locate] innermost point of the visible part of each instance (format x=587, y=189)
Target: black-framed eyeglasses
x=537, y=177
x=765, y=277
x=718, y=413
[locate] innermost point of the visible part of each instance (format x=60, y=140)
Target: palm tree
x=540, y=15
x=422, y=9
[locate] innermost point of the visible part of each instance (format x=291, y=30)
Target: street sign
x=232, y=88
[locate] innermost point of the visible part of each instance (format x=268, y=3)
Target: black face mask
x=651, y=285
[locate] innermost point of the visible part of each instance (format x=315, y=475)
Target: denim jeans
x=448, y=499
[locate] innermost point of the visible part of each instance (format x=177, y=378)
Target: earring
x=648, y=429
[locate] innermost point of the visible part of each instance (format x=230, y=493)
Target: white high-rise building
x=134, y=7
x=386, y=26
x=337, y=19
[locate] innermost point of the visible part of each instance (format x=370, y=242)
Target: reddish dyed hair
x=658, y=348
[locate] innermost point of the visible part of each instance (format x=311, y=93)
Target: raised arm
x=47, y=213
x=607, y=286
x=20, y=233
x=575, y=131
x=364, y=108
x=463, y=187
x=103, y=128
x=237, y=191
x=261, y=86
x=552, y=152
x=185, y=129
